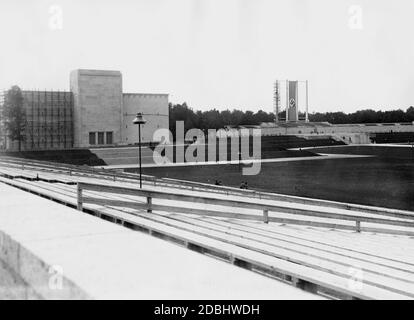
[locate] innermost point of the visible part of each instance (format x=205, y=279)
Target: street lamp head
x=139, y=119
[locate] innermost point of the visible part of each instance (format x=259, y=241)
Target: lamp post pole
x=239, y=147
x=140, y=161
x=139, y=120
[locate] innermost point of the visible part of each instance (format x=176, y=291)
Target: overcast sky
x=218, y=53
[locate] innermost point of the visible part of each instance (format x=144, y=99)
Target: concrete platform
x=49, y=251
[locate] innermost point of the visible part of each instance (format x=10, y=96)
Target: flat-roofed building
x=95, y=112
x=97, y=97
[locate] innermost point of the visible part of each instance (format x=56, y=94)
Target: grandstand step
x=308, y=238
x=285, y=253
x=303, y=247
x=263, y=263
x=391, y=248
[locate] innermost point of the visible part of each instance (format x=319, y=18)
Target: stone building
x=94, y=113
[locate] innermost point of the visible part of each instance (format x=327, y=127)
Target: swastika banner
x=293, y=103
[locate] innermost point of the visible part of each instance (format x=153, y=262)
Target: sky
x=356, y=54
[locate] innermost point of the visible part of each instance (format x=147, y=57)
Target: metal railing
x=77, y=171
x=149, y=206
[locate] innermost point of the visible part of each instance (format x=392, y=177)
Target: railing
x=149, y=206
x=203, y=187
x=151, y=194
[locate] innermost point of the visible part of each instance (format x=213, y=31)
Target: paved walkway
x=373, y=145
x=204, y=163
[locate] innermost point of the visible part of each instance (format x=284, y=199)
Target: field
x=386, y=180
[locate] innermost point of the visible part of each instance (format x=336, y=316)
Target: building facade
x=94, y=113
x=155, y=110
x=356, y=133
x=49, y=120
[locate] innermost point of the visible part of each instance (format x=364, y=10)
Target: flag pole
x=307, y=103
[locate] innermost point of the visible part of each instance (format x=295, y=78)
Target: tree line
x=12, y=116
x=13, y=122
x=365, y=116
x=215, y=119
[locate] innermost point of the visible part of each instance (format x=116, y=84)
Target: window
x=101, y=137
x=109, y=139
x=92, y=138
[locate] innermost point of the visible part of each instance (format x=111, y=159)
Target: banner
x=292, y=113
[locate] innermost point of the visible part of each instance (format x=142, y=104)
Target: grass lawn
x=386, y=181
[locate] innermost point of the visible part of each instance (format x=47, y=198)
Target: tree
x=410, y=113
x=181, y=112
x=248, y=118
x=262, y=116
x=14, y=116
x=214, y=119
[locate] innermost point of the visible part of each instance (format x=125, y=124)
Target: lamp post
x=139, y=120
x=239, y=141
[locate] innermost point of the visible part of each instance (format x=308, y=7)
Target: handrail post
x=149, y=203
x=266, y=216
x=79, y=197
x=358, y=226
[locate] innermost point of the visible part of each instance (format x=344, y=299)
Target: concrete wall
x=312, y=129
x=348, y=133
x=375, y=128
x=155, y=110
x=97, y=104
